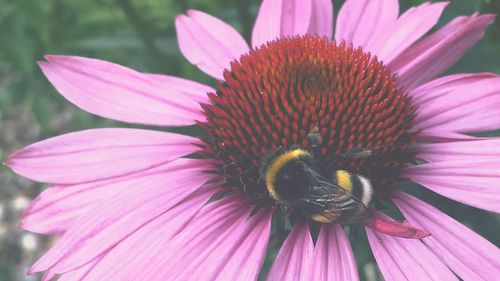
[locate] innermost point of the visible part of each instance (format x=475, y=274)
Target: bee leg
x=225, y=170
x=355, y=153
x=280, y=228
x=246, y=191
x=314, y=139
x=226, y=167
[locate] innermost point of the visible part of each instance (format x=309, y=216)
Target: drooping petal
x=474, y=183
x=58, y=208
x=410, y=27
x=333, y=259
x=97, y=154
x=321, y=18
x=195, y=248
x=293, y=261
x=113, y=91
x=279, y=18
x=470, y=108
x=191, y=89
x=440, y=50
x=131, y=256
x=406, y=259
x=208, y=42
x=361, y=22
x=465, y=252
x=396, y=228
x=141, y=200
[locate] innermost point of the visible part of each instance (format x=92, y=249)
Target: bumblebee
x=295, y=181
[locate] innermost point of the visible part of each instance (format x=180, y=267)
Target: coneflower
x=128, y=205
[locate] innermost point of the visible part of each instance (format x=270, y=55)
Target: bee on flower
x=310, y=126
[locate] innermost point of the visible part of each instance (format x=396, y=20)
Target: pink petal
x=141, y=200
x=396, y=228
x=208, y=42
x=198, y=243
x=279, y=18
x=474, y=183
x=80, y=273
x=465, y=252
x=426, y=94
x=131, y=256
x=294, y=258
x=191, y=89
x=429, y=91
x=58, y=208
x=470, y=108
x=58, y=215
x=440, y=136
x=99, y=154
x=362, y=22
x=440, y=50
x=239, y=256
x=412, y=25
x=481, y=149
x=119, y=93
x=406, y=259
x=321, y=18
x=333, y=259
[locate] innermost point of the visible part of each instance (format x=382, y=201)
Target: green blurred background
x=141, y=35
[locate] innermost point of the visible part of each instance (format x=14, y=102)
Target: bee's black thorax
x=284, y=174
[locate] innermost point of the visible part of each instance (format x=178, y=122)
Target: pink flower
x=127, y=205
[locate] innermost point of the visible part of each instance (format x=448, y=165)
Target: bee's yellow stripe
x=326, y=217
x=277, y=164
x=322, y=219
x=344, y=180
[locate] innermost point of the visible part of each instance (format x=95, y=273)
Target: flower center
x=280, y=94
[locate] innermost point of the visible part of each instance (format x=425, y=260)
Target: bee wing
x=327, y=202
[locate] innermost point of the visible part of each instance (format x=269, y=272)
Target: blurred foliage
x=141, y=34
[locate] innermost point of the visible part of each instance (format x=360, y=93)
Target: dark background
x=141, y=35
